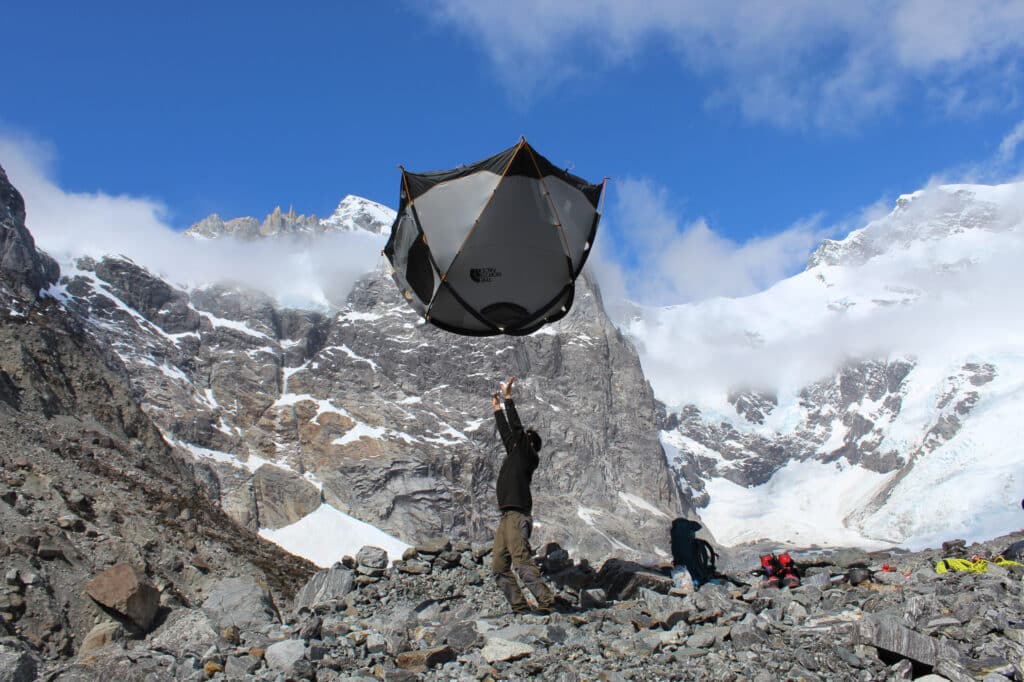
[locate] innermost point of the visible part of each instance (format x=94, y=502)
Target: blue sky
x=749, y=130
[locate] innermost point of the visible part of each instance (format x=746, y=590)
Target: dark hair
x=534, y=438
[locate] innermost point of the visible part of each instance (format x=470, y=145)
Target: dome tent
x=493, y=247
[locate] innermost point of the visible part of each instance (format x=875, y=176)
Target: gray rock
x=746, y=634
x=324, y=587
x=819, y=580
x=413, y=567
x=283, y=656
x=101, y=635
x=17, y=661
x=376, y=643
x=888, y=634
x=461, y=636
x=434, y=546
x=496, y=649
x=185, y=632
x=372, y=558
x=701, y=639
x=240, y=602
x=239, y=666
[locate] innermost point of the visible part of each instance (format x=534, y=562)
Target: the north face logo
x=484, y=274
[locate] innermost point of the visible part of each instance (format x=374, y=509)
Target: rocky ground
x=437, y=615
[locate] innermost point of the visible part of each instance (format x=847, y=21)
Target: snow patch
x=326, y=535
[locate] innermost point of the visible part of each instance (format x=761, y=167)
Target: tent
x=493, y=247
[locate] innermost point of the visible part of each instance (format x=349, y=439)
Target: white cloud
x=71, y=224
x=789, y=62
x=1008, y=147
x=658, y=261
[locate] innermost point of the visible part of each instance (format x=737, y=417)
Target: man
x=512, y=539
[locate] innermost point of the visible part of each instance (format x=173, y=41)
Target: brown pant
x=512, y=551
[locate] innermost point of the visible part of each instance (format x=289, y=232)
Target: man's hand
x=507, y=388
x=496, y=402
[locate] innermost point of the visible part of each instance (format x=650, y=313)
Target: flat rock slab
x=186, y=631
x=497, y=649
x=284, y=655
x=240, y=602
x=127, y=592
x=101, y=635
x=419, y=661
x=886, y=632
x=324, y=587
x=434, y=546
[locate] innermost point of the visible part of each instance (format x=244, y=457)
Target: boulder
x=746, y=634
x=127, y=592
x=284, y=656
x=324, y=587
x=497, y=649
x=185, y=632
x=888, y=634
x=413, y=567
x=100, y=636
x=240, y=602
x=372, y=557
x=434, y=546
x=17, y=662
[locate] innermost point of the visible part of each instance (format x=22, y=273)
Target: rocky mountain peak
x=357, y=213
x=924, y=216
x=248, y=228
x=353, y=214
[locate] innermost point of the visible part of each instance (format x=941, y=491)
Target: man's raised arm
x=499, y=417
x=510, y=407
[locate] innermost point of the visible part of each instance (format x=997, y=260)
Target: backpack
x=779, y=571
x=688, y=550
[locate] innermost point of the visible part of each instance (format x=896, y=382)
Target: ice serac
x=389, y=418
x=884, y=374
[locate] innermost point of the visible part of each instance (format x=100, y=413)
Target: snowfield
x=937, y=281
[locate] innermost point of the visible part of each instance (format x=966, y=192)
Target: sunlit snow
x=327, y=534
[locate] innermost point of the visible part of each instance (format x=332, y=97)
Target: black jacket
x=520, y=462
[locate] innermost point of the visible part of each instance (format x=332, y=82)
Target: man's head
x=534, y=439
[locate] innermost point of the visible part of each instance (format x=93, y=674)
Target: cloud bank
x=787, y=62
x=72, y=224
x=653, y=259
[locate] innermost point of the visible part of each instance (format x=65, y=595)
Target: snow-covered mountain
x=868, y=400
x=874, y=398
